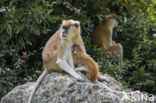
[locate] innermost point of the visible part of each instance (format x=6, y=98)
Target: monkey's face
x=113, y=22
x=69, y=27
x=77, y=49
x=65, y=30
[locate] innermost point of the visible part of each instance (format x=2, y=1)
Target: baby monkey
x=82, y=60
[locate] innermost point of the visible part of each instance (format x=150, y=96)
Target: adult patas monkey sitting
x=57, y=54
x=102, y=36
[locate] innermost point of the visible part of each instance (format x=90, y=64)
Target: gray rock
x=62, y=88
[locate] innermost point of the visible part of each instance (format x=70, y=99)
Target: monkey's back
x=49, y=54
x=101, y=36
x=86, y=61
x=92, y=67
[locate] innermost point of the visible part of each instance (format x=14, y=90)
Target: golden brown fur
x=57, y=54
x=102, y=36
x=82, y=60
x=49, y=54
x=53, y=51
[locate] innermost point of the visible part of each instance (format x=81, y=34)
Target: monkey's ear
x=97, y=63
x=106, y=17
x=115, y=16
x=63, y=21
x=78, y=22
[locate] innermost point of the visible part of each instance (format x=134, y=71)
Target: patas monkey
x=93, y=69
x=81, y=60
x=57, y=54
x=102, y=36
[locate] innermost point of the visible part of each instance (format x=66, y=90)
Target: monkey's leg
x=120, y=53
x=70, y=61
x=113, y=42
x=81, y=69
x=64, y=66
x=116, y=50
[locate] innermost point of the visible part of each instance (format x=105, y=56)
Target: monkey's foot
x=81, y=69
x=79, y=78
x=102, y=78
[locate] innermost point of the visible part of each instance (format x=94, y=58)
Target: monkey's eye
x=76, y=25
x=65, y=27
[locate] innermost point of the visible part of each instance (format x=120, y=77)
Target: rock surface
x=62, y=88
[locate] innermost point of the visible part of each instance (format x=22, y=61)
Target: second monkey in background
x=102, y=36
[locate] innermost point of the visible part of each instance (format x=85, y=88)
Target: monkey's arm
x=70, y=61
x=81, y=69
x=64, y=66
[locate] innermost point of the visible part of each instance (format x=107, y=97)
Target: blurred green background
x=26, y=25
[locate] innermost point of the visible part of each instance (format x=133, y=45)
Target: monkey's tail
x=37, y=84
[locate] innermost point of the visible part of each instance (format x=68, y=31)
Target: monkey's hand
x=79, y=78
x=81, y=69
x=113, y=42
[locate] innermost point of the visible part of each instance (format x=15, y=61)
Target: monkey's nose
x=64, y=34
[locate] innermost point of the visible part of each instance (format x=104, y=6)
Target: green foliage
x=145, y=65
x=25, y=27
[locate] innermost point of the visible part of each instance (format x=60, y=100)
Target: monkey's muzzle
x=64, y=34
